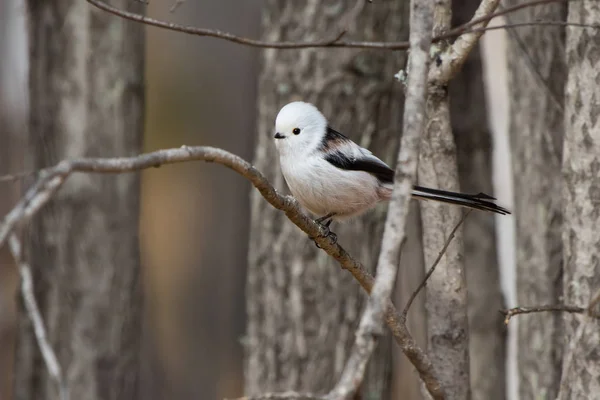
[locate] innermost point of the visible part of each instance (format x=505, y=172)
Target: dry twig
x=33, y=312
x=334, y=41
x=511, y=312
x=433, y=266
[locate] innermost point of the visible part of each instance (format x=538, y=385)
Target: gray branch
x=52, y=179
x=471, y=30
x=33, y=311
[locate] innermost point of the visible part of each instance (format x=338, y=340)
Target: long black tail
x=479, y=201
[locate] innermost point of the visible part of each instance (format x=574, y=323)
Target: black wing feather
x=379, y=170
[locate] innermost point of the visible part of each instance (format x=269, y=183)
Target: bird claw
x=332, y=237
x=325, y=231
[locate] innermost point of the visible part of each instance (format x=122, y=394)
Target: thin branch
x=176, y=5
x=215, y=33
x=548, y=308
x=33, y=312
x=332, y=42
x=394, y=235
x=434, y=265
x=464, y=28
x=52, y=178
x=509, y=26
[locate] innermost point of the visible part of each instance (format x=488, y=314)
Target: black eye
x=296, y=131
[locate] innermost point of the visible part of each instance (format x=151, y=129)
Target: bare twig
x=508, y=26
x=333, y=42
x=421, y=22
x=52, y=178
x=434, y=265
x=176, y=5
x=547, y=308
x=33, y=312
x=459, y=30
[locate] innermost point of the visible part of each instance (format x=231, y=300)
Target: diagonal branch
x=52, y=179
x=394, y=235
x=33, y=312
x=413, y=296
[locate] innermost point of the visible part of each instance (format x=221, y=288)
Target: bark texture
x=487, y=333
x=302, y=309
x=581, y=194
x=536, y=89
x=446, y=302
x=86, y=91
x=446, y=290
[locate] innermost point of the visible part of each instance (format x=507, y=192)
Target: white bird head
x=300, y=128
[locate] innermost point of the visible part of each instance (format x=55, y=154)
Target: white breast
x=323, y=188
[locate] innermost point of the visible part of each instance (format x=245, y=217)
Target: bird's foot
x=325, y=231
x=332, y=237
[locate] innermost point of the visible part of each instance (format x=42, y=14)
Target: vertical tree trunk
x=487, y=333
x=536, y=87
x=86, y=91
x=302, y=308
x=581, y=190
x=446, y=302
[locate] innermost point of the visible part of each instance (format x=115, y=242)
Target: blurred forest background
x=195, y=217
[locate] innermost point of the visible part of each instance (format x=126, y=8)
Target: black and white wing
x=343, y=153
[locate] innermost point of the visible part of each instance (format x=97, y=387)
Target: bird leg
x=325, y=227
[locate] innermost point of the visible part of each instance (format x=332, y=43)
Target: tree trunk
x=581, y=190
x=86, y=91
x=487, y=333
x=302, y=308
x=536, y=87
x=446, y=291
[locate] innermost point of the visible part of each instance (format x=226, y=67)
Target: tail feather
x=480, y=201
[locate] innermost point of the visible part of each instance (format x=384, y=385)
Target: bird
x=336, y=179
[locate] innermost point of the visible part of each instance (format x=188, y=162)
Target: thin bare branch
x=464, y=28
x=421, y=23
x=33, y=312
x=176, y=5
x=548, y=308
x=535, y=23
x=52, y=178
x=435, y=264
x=334, y=41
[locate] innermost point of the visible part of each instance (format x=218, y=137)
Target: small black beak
x=279, y=136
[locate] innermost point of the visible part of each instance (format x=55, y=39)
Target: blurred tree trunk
x=302, y=308
x=86, y=91
x=537, y=76
x=487, y=333
x=581, y=172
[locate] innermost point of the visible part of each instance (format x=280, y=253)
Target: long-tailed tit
x=334, y=178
